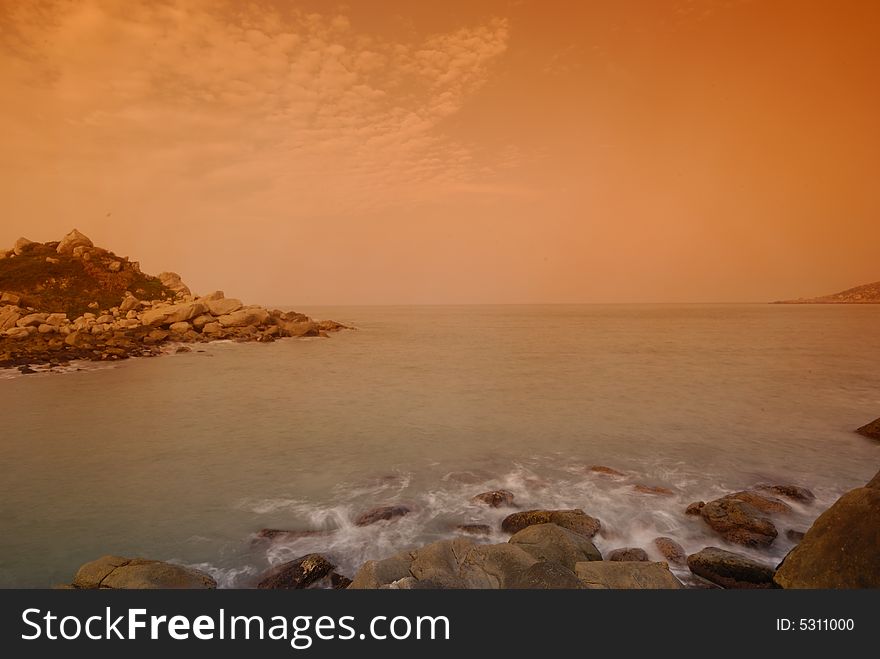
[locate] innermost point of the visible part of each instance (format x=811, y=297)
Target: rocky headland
x=71, y=300
x=554, y=549
x=865, y=294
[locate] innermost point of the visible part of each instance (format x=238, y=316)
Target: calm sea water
x=185, y=457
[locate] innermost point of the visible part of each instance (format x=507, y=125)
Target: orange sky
x=474, y=151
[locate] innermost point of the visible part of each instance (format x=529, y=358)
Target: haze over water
x=184, y=457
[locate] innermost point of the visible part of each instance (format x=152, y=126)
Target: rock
x=763, y=503
x=549, y=542
x=298, y=329
x=17, y=333
x=871, y=430
x=474, y=529
x=156, y=336
x=51, y=260
x=56, y=319
x=34, y=319
x=45, y=328
x=671, y=550
x=547, y=576
x=104, y=319
x=71, y=241
x=440, y=562
x=114, y=266
x=199, y=322
x=129, y=303
x=9, y=316
x=628, y=554
x=381, y=513
x=173, y=313
x=793, y=492
x=842, y=547
x=794, y=535
x=729, y=569
x=495, y=498
x=136, y=573
x=245, y=317
x=179, y=328
x=215, y=295
x=21, y=246
x=10, y=298
x=375, y=574
x=223, y=306
x=739, y=522
x=212, y=328
x=339, y=581
x=574, y=520
x=26, y=370
x=606, y=471
x=495, y=566
x=623, y=575
x=651, y=489
x=297, y=574
x=695, y=508
x=173, y=282
x=182, y=349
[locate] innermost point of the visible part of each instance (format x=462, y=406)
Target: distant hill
x=865, y=294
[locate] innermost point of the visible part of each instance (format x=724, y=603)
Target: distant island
x=70, y=300
x=865, y=294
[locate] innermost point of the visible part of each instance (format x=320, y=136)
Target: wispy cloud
x=290, y=105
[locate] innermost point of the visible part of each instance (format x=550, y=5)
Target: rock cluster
x=134, y=325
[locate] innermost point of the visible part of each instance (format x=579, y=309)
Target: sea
x=186, y=457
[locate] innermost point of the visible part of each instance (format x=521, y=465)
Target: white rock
x=223, y=306
x=174, y=313
x=244, y=317
x=32, y=319
x=73, y=240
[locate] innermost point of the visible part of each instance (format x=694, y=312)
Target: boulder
x=129, y=303
x=222, y=306
x=694, y=508
x=34, y=319
x=114, y=266
x=871, y=430
x=212, y=328
x=9, y=316
x=375, y=574
x=73, y=240
x=297, y=574
x=671, y=550
x=495, y=498
x=440, y=562
x=180, y=327
x=297, y=328
x=793, y=492
x=547, y=576
x=549, y=542
x=574, y=520
x=214, y=295
x=381, y=513
x=624, y=575
x=21, y=246
x=494, y=566
x=763, y=503
x=842, y=547
x=474, y=529
x=138, y=573
x=56, y=319
x=173, y=282
x=10, y=298
x=606, y=471
x=628, y=554
x=245, y=317
x=739, y=522
x=173, y=313
x=729, y=569
x=199, y=322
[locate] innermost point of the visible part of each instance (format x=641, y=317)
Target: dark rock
x=629, y=554
x=729, y=569
x=606, y=471
x=842, y=547
x=739, y=522
x=297, y=574
x=547, y=575
x=181, y=349
x=671, y=550
x=574, y=520
x=651, y=489
x=871, y=430
x=695, y=508
x=338, y=581
x=474, y=529
x=27, y=370
x=495, y=498
x=794, y=536
x=281, y=534
x=381, y=513
x=793, y=492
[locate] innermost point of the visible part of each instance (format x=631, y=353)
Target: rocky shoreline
x=71, y=301
x=554, y=549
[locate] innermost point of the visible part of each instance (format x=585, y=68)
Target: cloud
x=223, y=98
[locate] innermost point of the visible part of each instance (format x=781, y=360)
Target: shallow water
x=185, y=457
